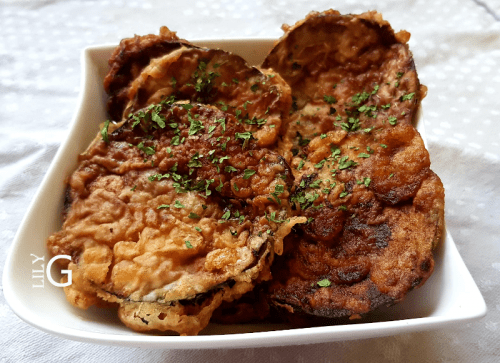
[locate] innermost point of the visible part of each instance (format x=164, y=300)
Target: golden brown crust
x=178, y=203
x=218, y=78
x=128, y=60
x=177, y=216
x=362, y=173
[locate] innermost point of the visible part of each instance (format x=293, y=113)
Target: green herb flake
x=219, y=188
x=160, y=120
x=345, y=163
x=104, y=132
x=188, y=244
x=163, y=206
x=148, y=150
x=329, y=99
x=178, y=204
x=230, y=169
x=408, y=96
x=393, y=120
x=320, y=164
x=248, y=173
x=197, y=228
x=193, y=216
x=301, y=165
x=324, y=283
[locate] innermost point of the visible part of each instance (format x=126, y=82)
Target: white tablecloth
x=456, y=45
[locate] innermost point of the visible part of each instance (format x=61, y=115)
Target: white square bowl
x=449, y=297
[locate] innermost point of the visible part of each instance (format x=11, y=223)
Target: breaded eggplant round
x=362, y=174
x=172, y=213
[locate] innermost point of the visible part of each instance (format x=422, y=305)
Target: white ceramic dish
x=449, y=297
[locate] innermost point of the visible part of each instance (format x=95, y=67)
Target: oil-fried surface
x=177, y=215
x=362, y=173
x=178, y=211
x=129, y=59
x=219, y=78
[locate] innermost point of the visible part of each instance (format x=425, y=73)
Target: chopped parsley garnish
x=160, y=120
x=315, y=184
x=272, y=218
x=248, y=173
x=193, y=216
x=320, y=164
x=345, y=163
x=324, y=283
x=195, y=126
x=329, y=99
x=146, y=149
x=194, y=162
x=188, y=244
x=408, y=96
x=163, y=206
x=301, y=165
x=178, y=204
x=363, y=155
x=219, y=188
x=351, y=125
x=393, y=120
x=104, y=132
x=230, y=169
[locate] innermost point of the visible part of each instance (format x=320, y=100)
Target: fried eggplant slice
x=212, y=76
x=362, y=174
x=345, y=71
x=172, y=213
x=128, y=60
x=374, y=219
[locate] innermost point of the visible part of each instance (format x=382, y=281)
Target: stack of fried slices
x=300, y=187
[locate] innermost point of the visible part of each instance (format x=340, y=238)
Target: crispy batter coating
x=128, y=60
x=219, y=78
x=362, y=173
x=178, y=211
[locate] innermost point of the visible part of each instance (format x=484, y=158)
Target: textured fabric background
x=456, y=45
